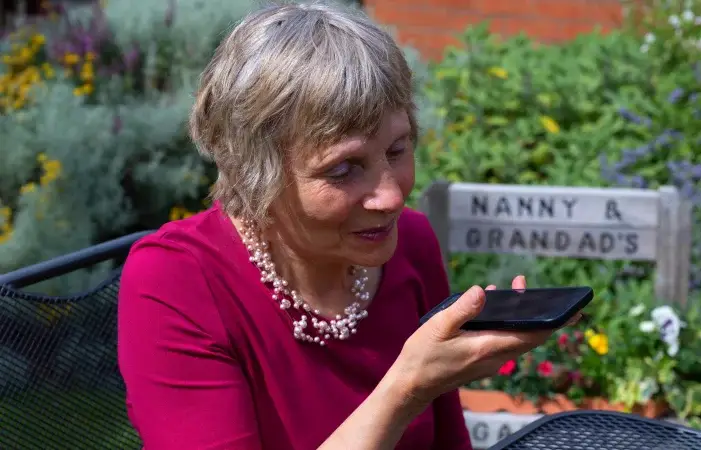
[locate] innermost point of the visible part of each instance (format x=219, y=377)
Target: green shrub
x=513, y=112
x=595, y=111
x=100, y=148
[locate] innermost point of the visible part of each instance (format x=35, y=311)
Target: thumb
x=465, y=308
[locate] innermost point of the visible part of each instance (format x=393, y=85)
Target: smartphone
x=523, y=309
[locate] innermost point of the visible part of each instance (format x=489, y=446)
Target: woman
x=286, y=316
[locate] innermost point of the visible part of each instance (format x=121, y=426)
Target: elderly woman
x=286, y=315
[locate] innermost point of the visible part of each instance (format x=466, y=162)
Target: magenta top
x=210, y=361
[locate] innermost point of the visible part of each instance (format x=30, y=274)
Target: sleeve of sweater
x=185, y=389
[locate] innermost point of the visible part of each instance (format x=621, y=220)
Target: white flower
x=635, y=311
x=667, y=321
x=674, y=20
x=688, y=16
x=644, y=48
x=650, y=38
x=647, y=326
x=673, y=348
x=648, y=388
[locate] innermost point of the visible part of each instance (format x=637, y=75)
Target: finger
x=519, y=282
x=503, y=342
x=491, y=287
x=467, y=307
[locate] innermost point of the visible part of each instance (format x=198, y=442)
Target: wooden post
x=673, y=247
x=434, y=203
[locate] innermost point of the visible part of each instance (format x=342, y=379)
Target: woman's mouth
x=377, y=233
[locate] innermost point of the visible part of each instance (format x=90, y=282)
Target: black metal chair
x=600, y=430
x=60, y=386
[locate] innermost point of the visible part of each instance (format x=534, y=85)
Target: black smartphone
x=523, y=309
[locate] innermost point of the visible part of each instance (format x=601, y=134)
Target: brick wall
x=430, y=25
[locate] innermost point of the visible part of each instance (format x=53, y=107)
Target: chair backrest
x=60, y=386
x=601, y=430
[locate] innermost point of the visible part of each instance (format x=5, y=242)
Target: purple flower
x=675, y=95
x=631, y=117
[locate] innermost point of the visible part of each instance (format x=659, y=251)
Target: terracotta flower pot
x=495, y=401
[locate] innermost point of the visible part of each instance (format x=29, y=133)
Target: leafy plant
x=108, y=126
x=596, y=111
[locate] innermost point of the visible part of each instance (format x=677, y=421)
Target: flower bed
x=644, y=360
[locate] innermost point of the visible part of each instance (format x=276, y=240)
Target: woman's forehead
x=393, y=125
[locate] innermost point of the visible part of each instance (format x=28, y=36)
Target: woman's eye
x=340, y=171
x=396, y=151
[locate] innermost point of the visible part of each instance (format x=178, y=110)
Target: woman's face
x=343, y=201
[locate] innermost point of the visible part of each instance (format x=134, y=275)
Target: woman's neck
x=324, y=285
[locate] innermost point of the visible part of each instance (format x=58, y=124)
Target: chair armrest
x=70, y=262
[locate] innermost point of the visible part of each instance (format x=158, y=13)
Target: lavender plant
x=662, y=124
x=101, y=149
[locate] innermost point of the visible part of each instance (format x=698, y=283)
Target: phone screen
x=529, y=304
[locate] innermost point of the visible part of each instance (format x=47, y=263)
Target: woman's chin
x=374, y=252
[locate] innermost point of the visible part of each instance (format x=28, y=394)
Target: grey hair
x=292, y=77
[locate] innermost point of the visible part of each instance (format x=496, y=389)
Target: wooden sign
x=486, y=429
x=599, y=223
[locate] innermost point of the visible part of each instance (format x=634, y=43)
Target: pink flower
x=563, y=340
x=507, y=368
x=545, y=369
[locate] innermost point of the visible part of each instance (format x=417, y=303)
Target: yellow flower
x=29, y=187
x=52, y=170
x=599, y=342
x=178, y=212
x=71, y=58
x=549, y=124
x=87, y=73
x=498, y=72
x=48, y=70
x=5, y=236
x=175, y=213
x=25, y=54
x=5, y=223
x=38, y=39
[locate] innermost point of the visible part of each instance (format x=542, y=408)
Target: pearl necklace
x=341, y=327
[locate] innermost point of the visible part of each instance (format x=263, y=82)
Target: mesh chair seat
x=60, y=386
x=601, y=430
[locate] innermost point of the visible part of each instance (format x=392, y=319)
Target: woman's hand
x=440, y=357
